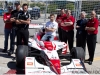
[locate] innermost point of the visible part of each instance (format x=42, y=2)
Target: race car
x=44, y=57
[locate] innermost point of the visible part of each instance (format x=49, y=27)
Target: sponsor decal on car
x=30, y=63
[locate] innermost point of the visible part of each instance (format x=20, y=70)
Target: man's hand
x=90, y=28
x=47, y=29
x=77, y=26
x=25, y=21
x=6, y=20
x=12, y=19
x=59, y=21
x=62, y=24
x=18, y=22
x=86, y=28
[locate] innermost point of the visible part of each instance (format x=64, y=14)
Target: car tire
x=21, y=53
x=78, y=53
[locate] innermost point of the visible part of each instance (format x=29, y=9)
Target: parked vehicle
x=35, y=13
x=2, y=11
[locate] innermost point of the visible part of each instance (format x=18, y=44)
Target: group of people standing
x=87, y=30
x=16, y=24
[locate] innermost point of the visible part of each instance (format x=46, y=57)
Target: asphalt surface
x=8, y=66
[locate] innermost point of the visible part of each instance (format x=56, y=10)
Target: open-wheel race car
x=45, y=57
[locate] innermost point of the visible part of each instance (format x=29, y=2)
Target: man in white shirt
x=50, y=29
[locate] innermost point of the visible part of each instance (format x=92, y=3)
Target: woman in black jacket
x=81, y=32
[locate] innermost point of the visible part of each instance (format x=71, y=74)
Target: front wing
x=32, y=67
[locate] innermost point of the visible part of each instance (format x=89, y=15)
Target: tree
x=52, y=8
x=42, y=6
x=70, y=6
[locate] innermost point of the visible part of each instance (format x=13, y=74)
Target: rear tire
x=21, y=53
x=78, y=53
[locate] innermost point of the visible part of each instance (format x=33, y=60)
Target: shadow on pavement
x=5, y=55
x=14, y=69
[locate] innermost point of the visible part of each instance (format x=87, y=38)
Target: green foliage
x=88, y=6
x=52, y=8
x=42, y=6
x=70, y=6
x=10, y=3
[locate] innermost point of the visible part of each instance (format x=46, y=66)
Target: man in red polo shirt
x=59, y=20
x=68, y=29
x=92, y=30
x=7, y=29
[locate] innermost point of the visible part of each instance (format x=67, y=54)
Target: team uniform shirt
x=52, y=25
x=60, y=17
x=14, y=14
x=23, y=16
x=7, y=17
x=70, y=19
x=93, y=23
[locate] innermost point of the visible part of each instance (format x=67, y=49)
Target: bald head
x=83, y=14
x=68, y=12
x=93, y=14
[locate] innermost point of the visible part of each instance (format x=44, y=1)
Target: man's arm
x=13, y=18
x=25, y=21
x=71, y=22
x=68, y=23
x=5, y=19
x=18, y=22
x=52, y=29
x=93, y=28
x=90, y=28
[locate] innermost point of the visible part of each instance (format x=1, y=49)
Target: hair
x=52, y=15
x=68, y=10
x=83, y=12
x=93, y=11
x=25, y=5
x=62, y=9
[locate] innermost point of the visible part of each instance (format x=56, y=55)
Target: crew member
x=7, y=29
x=59, y=20
x=92, y=31
x=81, y=32
x=50, y=29
x=22, y=23
x=68, y=29
x=13, y=18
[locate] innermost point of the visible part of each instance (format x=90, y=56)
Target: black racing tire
x=21, y=53
x=78, y=53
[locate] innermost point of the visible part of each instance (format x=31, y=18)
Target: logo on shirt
x=8, y=16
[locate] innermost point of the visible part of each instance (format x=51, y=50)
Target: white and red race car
x=45, y=58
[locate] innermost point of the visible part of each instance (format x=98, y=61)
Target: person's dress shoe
x=87, y=60
x=4, y=51
x=90, y=62
x=10, y=52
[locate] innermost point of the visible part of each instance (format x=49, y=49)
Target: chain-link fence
x=54, y=6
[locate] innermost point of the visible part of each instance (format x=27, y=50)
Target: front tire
x=21, y=53
x=78, y=53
